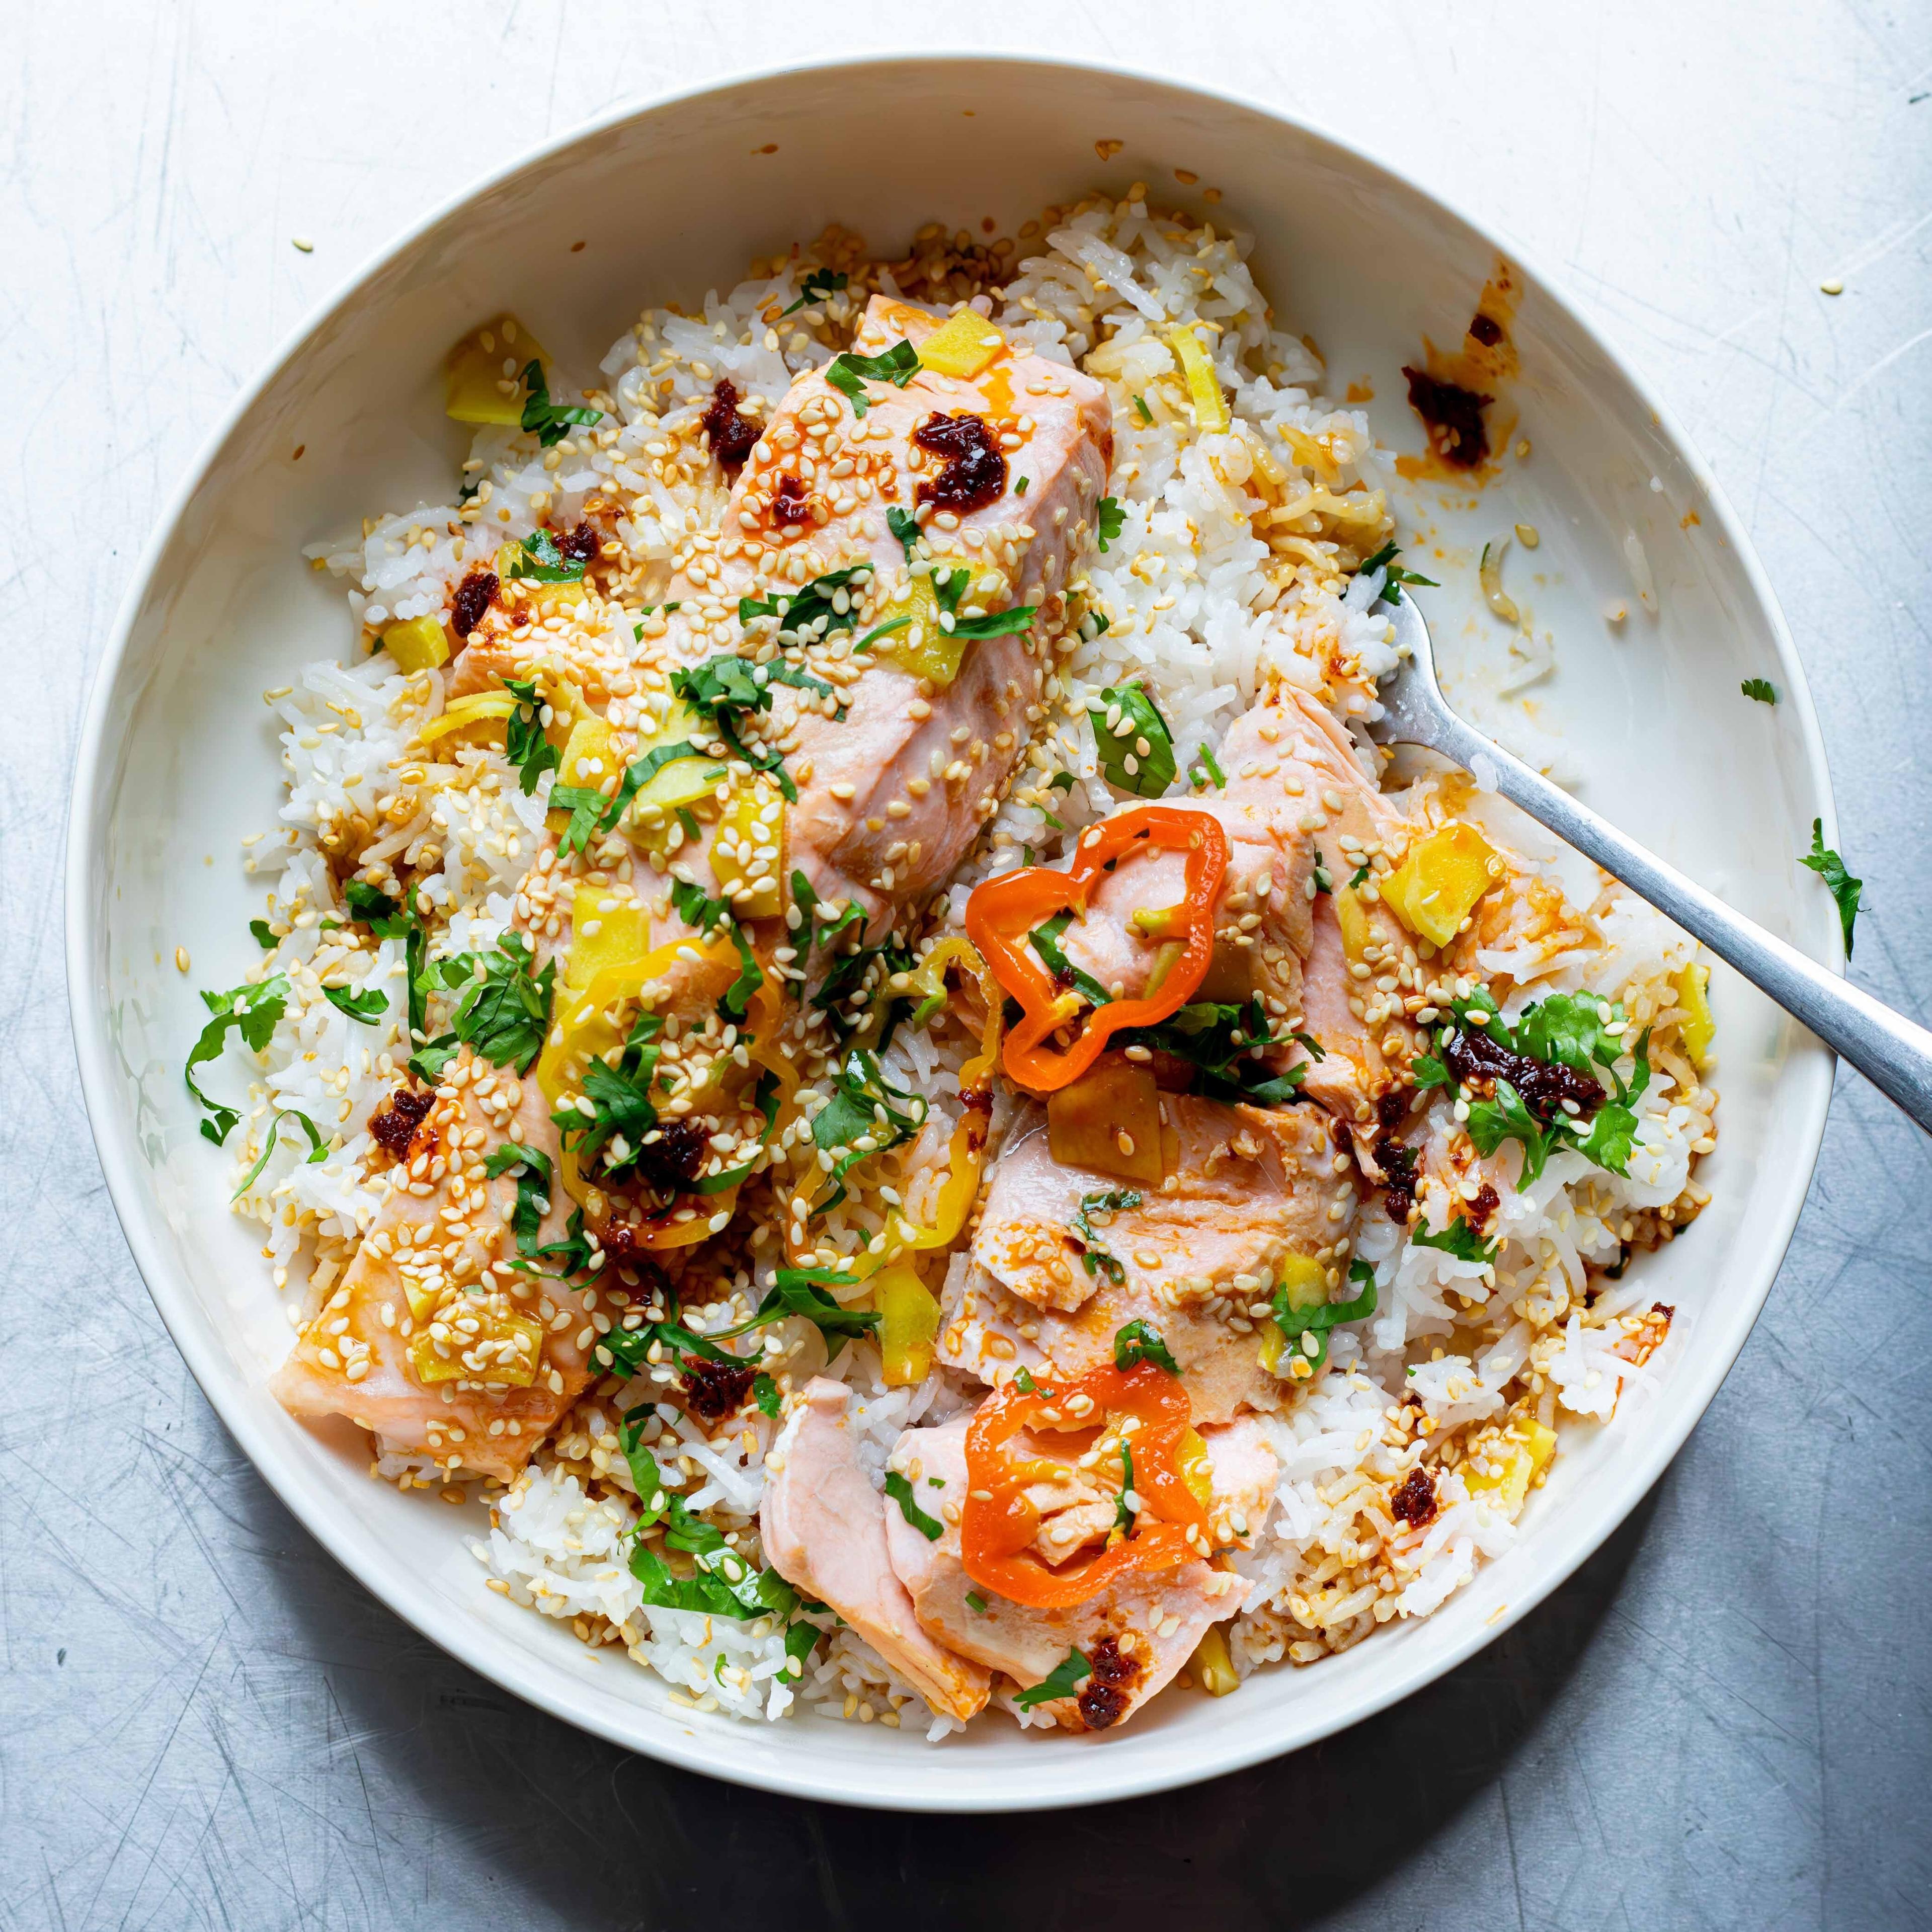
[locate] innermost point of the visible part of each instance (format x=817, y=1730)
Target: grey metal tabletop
x=1721, y=1720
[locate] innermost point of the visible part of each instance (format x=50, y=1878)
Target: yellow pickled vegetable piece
x=1433, y=891
x=1307, y=1282
x=748, y=855
x=1109, y=1120
x=962, y=347
x=1214, y=1668
x=1204, y=386
x=1305, y=1279
x=1515, y=1453
x=1196, y=1467
x=1356, y=930
x=587, y=761
x=473, y=372
x=924, y=649
x=1698, y=1027
x=418, y=643
x=606, y=929
x=515, y=1366
x=909, y=1322
x=684, y=780
x=480, y=707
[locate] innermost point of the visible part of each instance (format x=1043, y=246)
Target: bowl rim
x=801, y=1773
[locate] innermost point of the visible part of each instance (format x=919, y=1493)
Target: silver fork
x=1891, y=1052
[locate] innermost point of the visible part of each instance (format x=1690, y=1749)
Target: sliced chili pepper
x=997, y=1521
x=1002, y=913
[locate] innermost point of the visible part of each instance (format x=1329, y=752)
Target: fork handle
x=1891, y=1052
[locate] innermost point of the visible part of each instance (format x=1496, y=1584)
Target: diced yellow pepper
x=962, y=347
x=1698, y=1027
x=924, y=649
x=684, y=780
x=1516, y=1454
x=481, y=707
x=1109, y=1120
x=473, y=374
x=517, y=1370
x=1214, y=1668
x=1307, y=1282
x=1204, y=386
x=748, y=855
x=418, y=643
x=606, y=930
x=1305, y=1279
x=1356, y=930
x=587, y=759
x=1433, y=891
x=908, y=1323
x=1196, y=1467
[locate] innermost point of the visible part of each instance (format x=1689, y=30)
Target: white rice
x=1198, y=605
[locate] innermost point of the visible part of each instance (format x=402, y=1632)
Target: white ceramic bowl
x=178, y=758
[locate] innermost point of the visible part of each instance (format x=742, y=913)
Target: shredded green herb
x=819, y=286
x=368, y=1007
x=849, y=373
x=900, y=1490
x=550, y=421
x=1135, y=746
x=1843, y=888
x=1762, y=688
x=1394, y=576
x=524, y=744
x=1305, y=1330
x=1112, y=519
x=1140, y=1342
x=543, y=562
x=1094, y=1257
x=1062, y=1681
x=254, y=1011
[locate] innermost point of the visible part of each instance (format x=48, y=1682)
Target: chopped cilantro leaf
x=1061, y=1682
x=1111, y=520
x=1305, y=1330
x=548, y=419
x=1762, y=688
x=859, y=1119
x=318, y=1147
x=263, y=938
x=1394, y=575
x=543, y=562
x=505, y=1014
x=1139, y=1342
x=1044, y=940
x=524, y=744
x=1094, y=1257
x=900, y=1490
x=368, y=1007
x=1459, y=1239
x=1135, y=748
x=1829, y=867
x=254, y=1011
x=904, y=526
x=819, y=286
x=849, y=373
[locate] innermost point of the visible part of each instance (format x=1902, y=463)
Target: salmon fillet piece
x=443, y=1236
x=824, y=1529
x=1147, y=1625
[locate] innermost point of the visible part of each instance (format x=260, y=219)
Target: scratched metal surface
x=1722, y=1721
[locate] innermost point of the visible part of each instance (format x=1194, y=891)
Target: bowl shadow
x=562, y=1828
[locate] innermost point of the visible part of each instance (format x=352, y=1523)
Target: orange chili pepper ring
x=1004, y=911
x=998, y=1520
